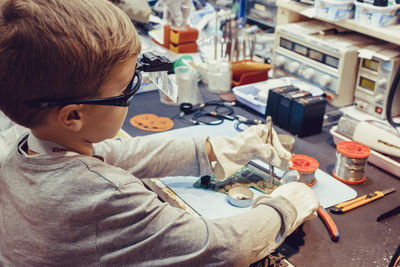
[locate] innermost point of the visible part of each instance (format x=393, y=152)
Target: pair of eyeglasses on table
x=122, y=101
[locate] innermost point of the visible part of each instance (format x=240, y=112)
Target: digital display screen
x=367, y=83
x=332, y=61
x=315, y=55
x=286, y=43
x=370, y=64
x=302, y=50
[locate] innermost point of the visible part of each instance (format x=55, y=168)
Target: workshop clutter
x=334, y=9
x=295, y=110
x=369, y=14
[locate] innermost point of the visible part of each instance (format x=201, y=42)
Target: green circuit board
x=249, y=176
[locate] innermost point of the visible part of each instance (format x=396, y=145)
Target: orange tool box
x=181, y=41
x=248, y=71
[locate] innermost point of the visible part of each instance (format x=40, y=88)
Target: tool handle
x=352, y=204
x=329, y=223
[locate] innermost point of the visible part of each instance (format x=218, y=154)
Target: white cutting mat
x=213, y=204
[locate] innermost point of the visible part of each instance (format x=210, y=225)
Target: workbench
x=363, y=241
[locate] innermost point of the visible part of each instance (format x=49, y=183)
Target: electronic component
x=274, y=96
x=375, y=76
x=285, y=107
x=322, y=54
x=251, y=175
x=307, y=115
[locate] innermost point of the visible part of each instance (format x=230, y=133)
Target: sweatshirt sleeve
x=135, y=228
x=154, y=156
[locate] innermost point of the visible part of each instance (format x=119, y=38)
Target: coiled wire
x=307, y=178
x=351, y=169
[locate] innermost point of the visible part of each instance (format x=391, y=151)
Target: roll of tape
x=240, y=196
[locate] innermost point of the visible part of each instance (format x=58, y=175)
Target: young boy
x=67, y=197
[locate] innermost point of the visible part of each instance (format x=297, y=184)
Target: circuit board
x=249, y=176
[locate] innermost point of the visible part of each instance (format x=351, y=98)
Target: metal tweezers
x=268, y=123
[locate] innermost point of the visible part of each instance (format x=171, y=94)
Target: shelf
x=390, y=33
x=262, y=22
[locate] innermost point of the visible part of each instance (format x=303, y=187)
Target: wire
x=201, y=113
x=390, y=100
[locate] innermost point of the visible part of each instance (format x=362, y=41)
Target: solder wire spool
x=306, y=166
x=351, y=159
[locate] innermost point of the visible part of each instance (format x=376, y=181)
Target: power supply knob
x=382, y=83
x=279, y=61
x=379, y=98
x=325, y=80
x=293, y=67
x=309, y=73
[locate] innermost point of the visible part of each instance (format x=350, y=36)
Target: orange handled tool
x=357, y=202
x=329, y=223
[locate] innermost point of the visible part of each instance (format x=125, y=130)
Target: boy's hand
x=259, y=141
x=300, y=196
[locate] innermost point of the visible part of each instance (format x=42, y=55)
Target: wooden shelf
x=286, y=8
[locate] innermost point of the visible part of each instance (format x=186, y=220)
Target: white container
x=376, y=15
x=219, y=76
x=334, y=9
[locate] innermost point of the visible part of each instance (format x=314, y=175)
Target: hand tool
x=329, y=223
x=216, y=35
x=352, y=204
x=388, y=214
x=244, y=46
x=228, y=51
x=268, y=123
x=396, y=258
x=253, y=46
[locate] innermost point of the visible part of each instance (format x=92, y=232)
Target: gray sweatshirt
x=81, y=211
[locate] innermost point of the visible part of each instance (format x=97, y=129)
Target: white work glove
x=259, y=141
x=176, y=12
x=137, y=10
x=300, y=196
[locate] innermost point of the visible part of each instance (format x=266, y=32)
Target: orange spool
x=351, y=159
x=306, y=166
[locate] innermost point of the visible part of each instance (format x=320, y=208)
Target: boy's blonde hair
x=61, y=49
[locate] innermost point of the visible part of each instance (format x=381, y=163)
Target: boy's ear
x=70, y=117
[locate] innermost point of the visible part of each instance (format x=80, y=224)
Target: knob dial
x=382, y=82
x=309, y=73
x=325, y=80
x=280, y=61
x=379, y=97
x=293, y=67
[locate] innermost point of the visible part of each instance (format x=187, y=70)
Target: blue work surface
x=213, y=204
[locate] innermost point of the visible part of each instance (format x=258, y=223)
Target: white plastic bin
x=334, y=9
x=376, y=15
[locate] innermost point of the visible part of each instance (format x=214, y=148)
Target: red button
x=378, y=110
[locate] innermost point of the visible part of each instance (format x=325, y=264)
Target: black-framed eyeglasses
x=122, y=101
